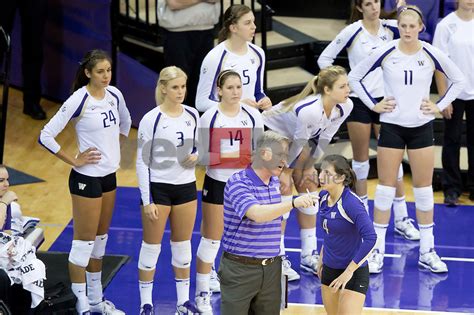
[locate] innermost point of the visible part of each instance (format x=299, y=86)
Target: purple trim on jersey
x=214, y=82
x=253, y=126
x=297, y=110
x=155, y=126
x=258, y=85
x=195, y=129
x=338, y=106
x=349, y=42
x=79, y=109
x=8, y=220
x=211, y=126
x=345, y=241
x=378, y=63
x=435, y=61
x=243, y=236
x=442, y=97
x=395, y=30
x=116, y=97
x=39, y=141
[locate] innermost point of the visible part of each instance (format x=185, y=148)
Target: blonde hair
x=412, y=10
x=270, y=138
x=167, y=74
x=325, y=78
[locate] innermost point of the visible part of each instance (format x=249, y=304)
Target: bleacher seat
x=430, y=9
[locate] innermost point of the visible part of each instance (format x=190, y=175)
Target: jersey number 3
x=108, y=119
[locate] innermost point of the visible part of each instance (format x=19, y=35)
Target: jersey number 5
x=108, y=118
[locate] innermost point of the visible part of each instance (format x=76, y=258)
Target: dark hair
x=356, y=15
x=90, y=60
x=342, y=167
x=232, y=16
x=224, y=75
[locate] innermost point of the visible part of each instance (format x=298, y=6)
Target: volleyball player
x=310, y=119
x=167, y=147
x=454, y=36
x=360, y=38
x=406, y=123
x=349, y=237
x=230, y=129
x=236, y=52
x=100, y=116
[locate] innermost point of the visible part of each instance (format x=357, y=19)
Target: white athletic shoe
x=214, y=282
x=287, y=270
x=203, y=303
x=376, y=261
x=406, y=229
x=431, y=261
x=309, y=263
x=187, y=308
x=105, y=308
x=147, y=309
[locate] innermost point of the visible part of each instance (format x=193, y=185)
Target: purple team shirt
x=243, y=236
x=348, y=230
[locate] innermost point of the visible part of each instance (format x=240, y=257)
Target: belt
x=250, y=260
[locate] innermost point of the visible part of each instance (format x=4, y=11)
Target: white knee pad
x=361, y=169
x=207, y=250
x=285, y=199
x=148, y=258
x=99, y=246
x=81, y=252
x=424, y=198
x=400, y=173
x=181, y=254
x=309, y=210
x=384, y=197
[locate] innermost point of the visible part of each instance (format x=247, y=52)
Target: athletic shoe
x=203, y=303
x=147, y=309
x=431, y=261
x=214, y=282
x=376, y=261
x=406, y=229
x=105, y=308
x=309, y=263
x=187, y=308
x=451, y=200
x=287, y=270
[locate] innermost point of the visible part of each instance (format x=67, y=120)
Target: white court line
x=396, y=310
x=458, y=259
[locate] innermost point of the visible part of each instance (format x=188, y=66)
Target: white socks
x=79, y=290
x=426, y=237
x=399, y=208
x=308, y=241
x=146, y=290
x=94, y=287
x=380, y=230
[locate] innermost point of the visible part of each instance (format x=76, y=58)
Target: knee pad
x=400, y=173
x=384, y=197
x=181, y=254
x=285, y=199
x=148, y=258
x=310, y=210
x=99, y=246
x=207, y=250
x=81, y=252
x=361, y=169
x=424, y=200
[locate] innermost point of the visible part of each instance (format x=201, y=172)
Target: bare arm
x=183, y=4
x=265, y=213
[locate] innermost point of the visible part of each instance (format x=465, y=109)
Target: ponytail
x=90, y=60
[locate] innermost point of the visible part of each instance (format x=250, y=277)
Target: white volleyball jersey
x=250, y=67
x=98, y=124
x=163, y=142
x=407, y=78
x=455, y=38
x=307, y=121
x=221, y=134
x=359, y=44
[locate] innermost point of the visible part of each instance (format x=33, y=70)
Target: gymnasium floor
x=401, y=288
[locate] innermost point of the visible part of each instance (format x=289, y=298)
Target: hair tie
x=404, y=8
